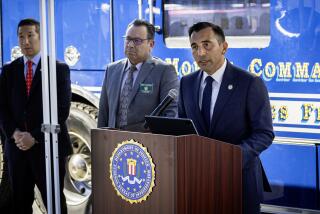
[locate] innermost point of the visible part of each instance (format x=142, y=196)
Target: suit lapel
x=143, y=73
x=195, y=100
x=116, y=85
x=21, y=80
x=227, y=87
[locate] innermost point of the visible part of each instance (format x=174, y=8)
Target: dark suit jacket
x=17, y=111
x=160, y=78
x=242, y=116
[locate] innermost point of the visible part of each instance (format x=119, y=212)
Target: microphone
x=172, y=95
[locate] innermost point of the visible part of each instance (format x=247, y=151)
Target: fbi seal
x=132, y=171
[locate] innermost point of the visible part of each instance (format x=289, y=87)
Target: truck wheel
x=38, y=206
x=5, y=190
x=77, y=182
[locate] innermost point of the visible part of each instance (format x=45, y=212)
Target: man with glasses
x=133, y=87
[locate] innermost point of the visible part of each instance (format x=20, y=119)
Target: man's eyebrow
x=28, y=32
x=192, y=44
x=206, y=41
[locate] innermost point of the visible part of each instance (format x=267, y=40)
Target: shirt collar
x=218, y=75
x=138, y=66
x=35, y=60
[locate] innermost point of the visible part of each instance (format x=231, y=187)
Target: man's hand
x=23, y=140
x=17, y=135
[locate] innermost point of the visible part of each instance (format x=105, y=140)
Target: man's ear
x=224, y=47
x=152, y=43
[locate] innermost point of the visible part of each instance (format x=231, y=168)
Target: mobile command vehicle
x=278, y=40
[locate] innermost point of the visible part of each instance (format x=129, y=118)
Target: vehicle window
x=246, y=22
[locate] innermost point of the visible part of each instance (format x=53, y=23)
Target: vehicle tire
x=77, y=183
x=5, y=189
x=38, y=206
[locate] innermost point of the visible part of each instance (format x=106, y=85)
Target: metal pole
x=140, y=8
x=45, y=100
x=111, y=32
x=53, y=105
x=150, y=2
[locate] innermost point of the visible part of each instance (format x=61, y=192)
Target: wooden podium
x=193, y=175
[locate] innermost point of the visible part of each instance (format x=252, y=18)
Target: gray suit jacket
x=155, y=79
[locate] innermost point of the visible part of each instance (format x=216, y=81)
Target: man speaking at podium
x=230, y=105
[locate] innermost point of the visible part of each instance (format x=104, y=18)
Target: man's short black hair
x=215, y=28
x=149, y=26
x=29, y=22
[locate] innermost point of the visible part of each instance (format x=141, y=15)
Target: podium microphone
x=172, y=95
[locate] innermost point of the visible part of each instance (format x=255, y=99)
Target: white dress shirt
x=217, y=76
x=134, y=74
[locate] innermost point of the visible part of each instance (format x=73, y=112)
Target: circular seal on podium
x=132, y=171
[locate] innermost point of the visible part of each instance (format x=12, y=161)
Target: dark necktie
x=29, y=76
x=206, y=101
x=124, y=98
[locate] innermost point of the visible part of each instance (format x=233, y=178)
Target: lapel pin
x=230, y=87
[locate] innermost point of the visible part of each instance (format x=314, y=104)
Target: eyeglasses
x=136, y=41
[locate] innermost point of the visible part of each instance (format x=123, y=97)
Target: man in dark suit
x=228, y=104
x=133, y=87
x=21, y=116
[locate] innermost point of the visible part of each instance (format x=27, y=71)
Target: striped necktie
x=124, y=98
x=29, y=76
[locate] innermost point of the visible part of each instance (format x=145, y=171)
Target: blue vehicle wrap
x=89, y=35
